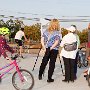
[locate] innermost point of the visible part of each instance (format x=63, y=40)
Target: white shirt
x=69, y=38
x=19, y=35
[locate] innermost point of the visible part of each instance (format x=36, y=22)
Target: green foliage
x=63, y=31
x=83, y=35
x=33, y=32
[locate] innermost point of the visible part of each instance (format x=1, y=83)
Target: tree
x=33, y=32
x=63, y=32
x=83, y=35
x=2, y=23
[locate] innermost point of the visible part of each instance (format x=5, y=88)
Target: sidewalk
x=28, y=63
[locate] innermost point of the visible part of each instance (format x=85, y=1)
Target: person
x=3, y=44
x=88, y=43
x=4, y=47
x=18, y=40
x=69, y=55
x=88, y=50
x=50, y=42
x=78, y=44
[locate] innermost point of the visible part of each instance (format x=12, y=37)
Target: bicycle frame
x=12, y=65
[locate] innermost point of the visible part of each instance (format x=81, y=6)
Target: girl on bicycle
x=3, y=44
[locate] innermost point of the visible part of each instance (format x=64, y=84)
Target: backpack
x=70, y=47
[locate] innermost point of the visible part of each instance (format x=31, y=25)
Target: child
x=4, y=46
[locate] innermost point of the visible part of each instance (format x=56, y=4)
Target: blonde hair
x=54, y=25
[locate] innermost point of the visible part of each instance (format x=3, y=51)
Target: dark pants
x=69, y=68
x=75, y=66
x=52, y=55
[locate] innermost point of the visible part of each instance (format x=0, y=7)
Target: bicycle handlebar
x=81, y=47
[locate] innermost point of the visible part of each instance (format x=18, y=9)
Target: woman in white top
x=69, y=56
x=18, y=39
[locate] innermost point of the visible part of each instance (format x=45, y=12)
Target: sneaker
x=50, y=80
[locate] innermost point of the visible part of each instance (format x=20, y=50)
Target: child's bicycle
x=21, y=79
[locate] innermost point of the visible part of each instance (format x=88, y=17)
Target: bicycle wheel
x=85, y=63
x=79, y=64
x=88, y=79
x=28, y=82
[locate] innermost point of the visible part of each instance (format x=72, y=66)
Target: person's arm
x=42, y=42
x=25, y=38
x=78, y=40
x=55, y=44
x=57, y=41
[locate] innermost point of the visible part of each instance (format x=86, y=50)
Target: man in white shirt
x=69, y=56
x=18, y=39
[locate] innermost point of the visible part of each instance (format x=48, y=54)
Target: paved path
x=28, y=62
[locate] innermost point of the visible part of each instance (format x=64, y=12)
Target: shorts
x=19, y=42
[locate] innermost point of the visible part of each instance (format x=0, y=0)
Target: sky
x=61, y=9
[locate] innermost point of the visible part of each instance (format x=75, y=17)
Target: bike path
x=28, y=63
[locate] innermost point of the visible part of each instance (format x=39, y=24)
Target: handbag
x=70, y=47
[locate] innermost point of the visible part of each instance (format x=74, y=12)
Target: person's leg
x=44, y=63
x=67, y=69
x=17, y=49
x=72, y=74
x=53, y=56
x=21, y=48
x=86, y=71
x=75, y=65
